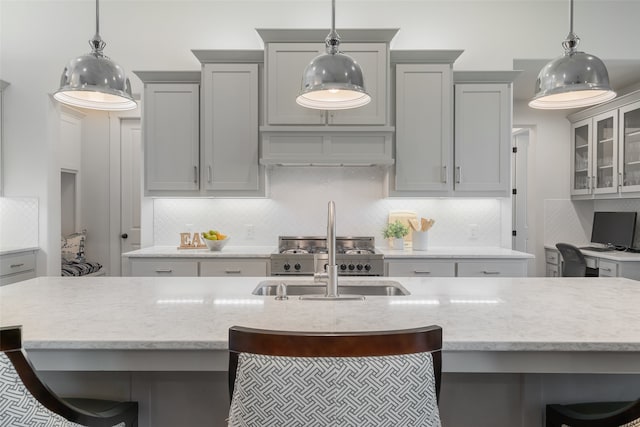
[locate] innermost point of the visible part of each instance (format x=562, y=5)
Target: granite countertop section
x=17, y=250
x=190, y=313
x=226, y=252
x=619, y=256
x=454, y=252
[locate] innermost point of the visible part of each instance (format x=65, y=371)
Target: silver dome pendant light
x=576, y=79
x=94, y=81
x=333, y=80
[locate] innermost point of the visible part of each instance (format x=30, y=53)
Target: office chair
x=573, y=262
x=594, y=414
x=339, y=378
x=26, y=401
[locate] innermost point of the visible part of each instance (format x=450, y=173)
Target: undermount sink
x=345, y=287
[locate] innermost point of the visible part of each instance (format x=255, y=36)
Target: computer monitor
x=614, y=228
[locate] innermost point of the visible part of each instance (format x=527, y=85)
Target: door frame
x=115, y=183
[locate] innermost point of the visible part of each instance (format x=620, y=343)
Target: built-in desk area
x=609, y=263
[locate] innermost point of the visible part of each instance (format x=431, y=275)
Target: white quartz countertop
x=619, y=256
x=194, y=313
x=455, y=252
x=226, y=252
x=17, y=249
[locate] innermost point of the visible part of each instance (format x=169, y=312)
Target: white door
x=130, y=184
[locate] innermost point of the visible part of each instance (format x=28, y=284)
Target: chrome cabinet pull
x=444, y=174
x=619, y=179
x=421, y=272
x=17, y=265
x=233, y=271
x=490, y=272
x=458, y=174
x=209, y=173
x=164, y=271
x=605, y=269
x=195, y=174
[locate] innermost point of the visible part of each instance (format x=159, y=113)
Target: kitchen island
x=159, y=339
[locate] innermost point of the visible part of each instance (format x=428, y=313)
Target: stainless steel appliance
x=304, y=256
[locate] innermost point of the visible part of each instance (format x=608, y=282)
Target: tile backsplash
x=297, y=205
x=18, y=222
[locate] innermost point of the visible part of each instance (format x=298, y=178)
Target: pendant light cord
x=333, y=39
x=570, y=43
x=571, y=16
x=96, y=43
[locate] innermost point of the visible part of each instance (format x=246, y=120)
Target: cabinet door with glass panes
x=581, y=154
x=629, y=142
x=605, y=153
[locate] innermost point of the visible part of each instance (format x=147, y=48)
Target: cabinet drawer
x=17, y=263
x=552, y=257
x=233, y=268
x=144, y=268
x=491, y=269
x=607, y=268
x=421, y=269
x=553, y=270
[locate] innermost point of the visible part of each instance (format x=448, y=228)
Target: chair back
x=573, y=261
x=321, y=378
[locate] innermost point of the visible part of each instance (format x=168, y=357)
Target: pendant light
x=333, y=81
x=94, y=81
x=576, y=79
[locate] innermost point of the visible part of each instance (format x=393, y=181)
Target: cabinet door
x=228, y=267
x=629, y=147
x=605, y=153
x=492, y=268
x=230, y=125
x=17, y=267
x=482, y=138
x=372, y=58
x=285, y=65
x=421, y=268
x=607, y=268
x=162, y=268
x=423, y=127
x=171, y=136
x=581, y=158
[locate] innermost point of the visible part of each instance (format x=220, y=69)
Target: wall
x=297, y=205
x=37, y=38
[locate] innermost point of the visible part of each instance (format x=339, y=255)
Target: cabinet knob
x=124, y=235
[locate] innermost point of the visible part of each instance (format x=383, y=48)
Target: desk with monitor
x=612, y=232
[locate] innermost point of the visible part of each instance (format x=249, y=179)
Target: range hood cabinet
x=340, y=147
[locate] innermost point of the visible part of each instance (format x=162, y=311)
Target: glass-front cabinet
x=630, y=147
x=605, y=150
x=581, y=165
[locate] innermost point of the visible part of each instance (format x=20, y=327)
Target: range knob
x=287, y=266
x=343, y=267
x=352, y=267
x=367, y=267
x=359, y=267
x=297, y=267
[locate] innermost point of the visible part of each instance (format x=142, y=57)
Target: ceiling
x=622, y=74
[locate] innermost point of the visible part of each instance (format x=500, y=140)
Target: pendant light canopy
x=333, y=81
x=576, y=79
x=94, y=81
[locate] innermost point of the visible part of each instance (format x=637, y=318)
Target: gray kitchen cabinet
x=473, y=267
x=286, y=63
x=492, y=268
x=171, y=132
x=424, y=138
x=552, y=263
x=229, y=151
x=153, y=267
x=233, y=267
x=17, y=266
x=420, y=268
x=482, y=137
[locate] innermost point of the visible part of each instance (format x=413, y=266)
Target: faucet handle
x=281, y=292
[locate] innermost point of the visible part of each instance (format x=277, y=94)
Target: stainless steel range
x=304, y=256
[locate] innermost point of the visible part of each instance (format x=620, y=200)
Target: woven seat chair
x=26, y=401
x=388, y=378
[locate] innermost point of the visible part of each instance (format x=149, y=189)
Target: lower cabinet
x=163, y=267
x=475, y=268
x=226, y=267
x=18, y=266
x=552, y=260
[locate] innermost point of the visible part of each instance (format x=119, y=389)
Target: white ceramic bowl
x=215, y=245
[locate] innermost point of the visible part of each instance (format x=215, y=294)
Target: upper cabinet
x=3, y=85
x=290, y=51
x=434, y=157
x=605, y=149
x=171, y=132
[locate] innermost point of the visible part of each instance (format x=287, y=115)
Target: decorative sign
x=191, y=241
